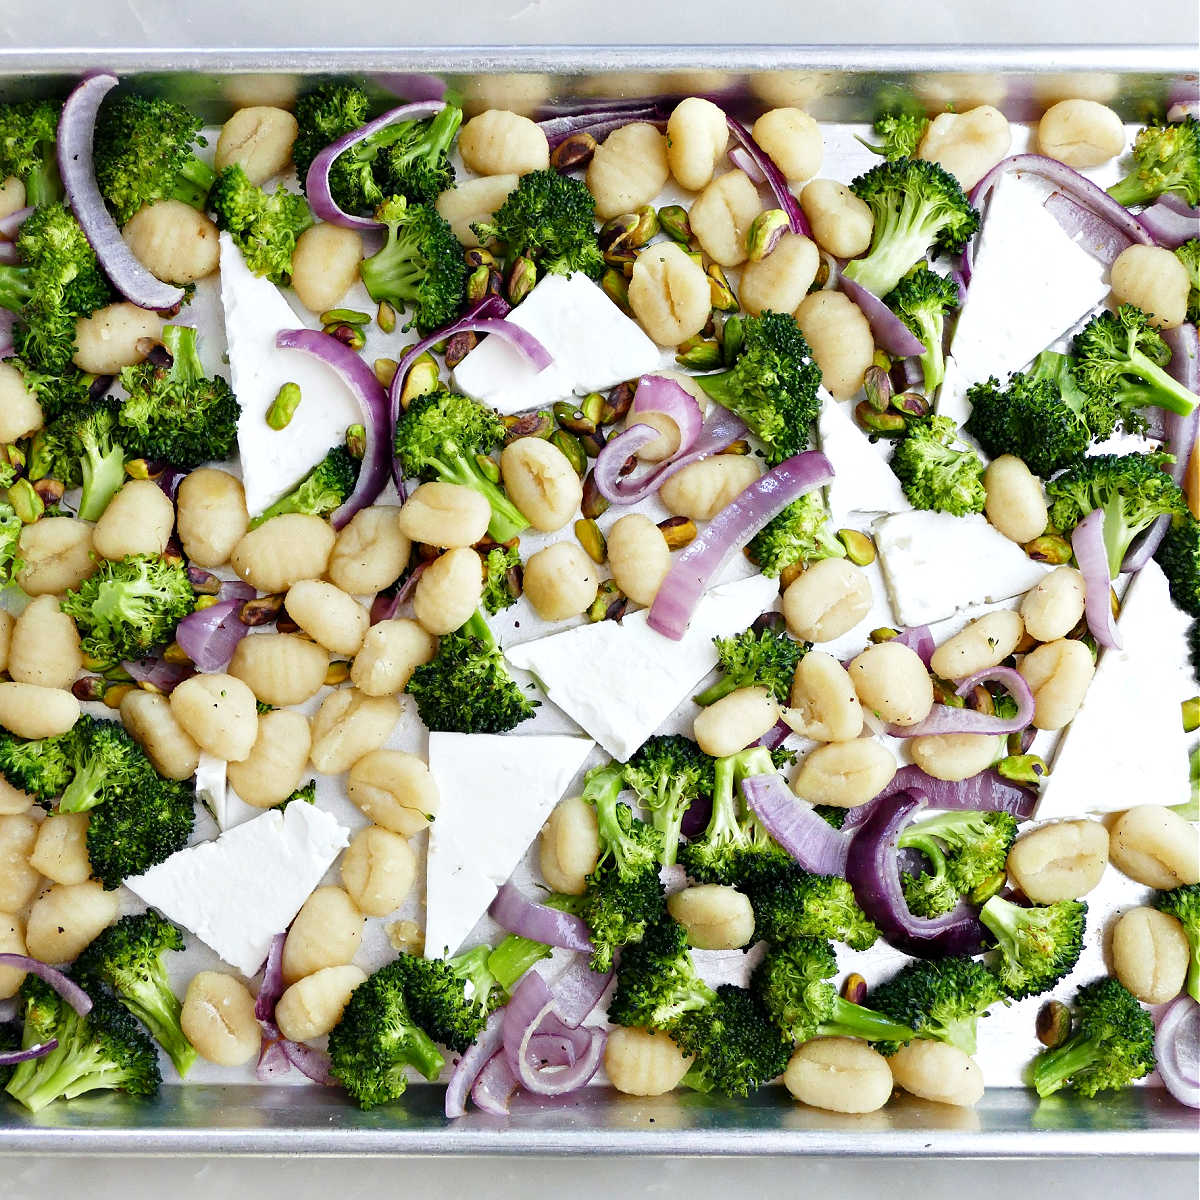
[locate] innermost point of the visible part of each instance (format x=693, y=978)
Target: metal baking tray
x=835, y=83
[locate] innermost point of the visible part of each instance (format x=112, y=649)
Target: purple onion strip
x=890, y=333
x=797, y=826
x=598, y=123
x=1177, y=1049
x=10, y=1058
x=1087, y=541
x=67, y=988
x=209, y=636
x=517, y=914
x=489, y=1043
x=945, y=719
x=773, y=176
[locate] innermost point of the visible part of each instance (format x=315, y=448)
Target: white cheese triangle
x=273, y=461
x=237, y=892
x=862, y=480
x=620, y=682
x=1126, y=745
x=935, y=564
x=496, y=793
x=1030, y=283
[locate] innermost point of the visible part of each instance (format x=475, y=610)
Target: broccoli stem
x=67, y=1072
x=103, y=475
x=159, y=1009
x=720, y=689
x=1168, y=392
x=1052, y=1069
x=668, y=820
x=513, y=957
x=421, y=1052
x=83, y=792
x=847, y=1019
x=194, y=183
x=180, y=341
x=15, y=288
x=1133, y=190
x=933, y=361
x=928, y=845
x=44, y=186
x=1003, y=919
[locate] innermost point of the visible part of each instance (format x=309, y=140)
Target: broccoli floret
x=1189, y=255
x=130, y=607
x=551, y=219
x=899, y=134
x=1193, y=639
x=1038, y=946
x=264, y=225
x=737, y=1047
x=176, y=413
x=1119, y=360
x=792, y=982
x=440, y=436
x=324, y=115
x=130, y=958
x=790, y=902
x=772, y=386
x=42, y=766
x=515, y=954
x=105, y=762
x=55, y=392
x=378, y=1038
x=800, y=533
x=106, y=1050
x=1113, y=1044
x=10, y=1039
x=1166, y=158
x=922, y=299
x=1131, y=490
x=415, y=162
x=57, y=280
x=1179, y=557
x=721, y=855
x=143, y=149
x=939, y=998
x=936, y=471
x=10, y=544
x=421, y=264
x=965, y=850
x=1183, y=903
x=450, y=999
x=28, y=133
x=81, y=448
x=306, y=793
x=755, y=659
x=133, y=831
x=502, y=587
x=624, y=896
x=323, y=490
x=466, y=687
x=657, y=981
x=668, y=773
x=918, y=207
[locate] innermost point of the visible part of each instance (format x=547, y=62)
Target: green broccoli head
x=264, y=225
x=28, y=136
x=918, y=206
x=322, y=491
x=1179, y=557
x=551, y=219
x=105, y=761
x=144, y=152
x=1189, y=255
x=1038, y=946
x=657, y=981
x=502, y=586
x=1193, y=640
x=755, y=658
x=772, y=386
x=939, y=998
x=130, y=607
x=1132, y=491
x=415, y=162
x=420, y=265
x=1112, y=1044
x=1166, y=158
x=922, y=300
x=1183, y=903
x=42, y=766
x=1120, y=359
x=176, y=413
x=104, y=1051
x=736, y=1045
x=441, y=436
x=899, y=134
x=668, y=773
x=966, y=849
x=378, y=1038
x=323, y=115
x=936, y=471
x=130, y=958
x=450, y=999
x=55, y=393
x=466, y=688
x=134, y=830
x=82, y=447
x=800, y=533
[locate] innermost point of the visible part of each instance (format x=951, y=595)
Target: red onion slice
x=164, y=675
x=210, y=635
x=944, y=719
x=8, y=319
x=493, y=1088
x=372, y=400
x=722, y=429
x=271, y=987
x=8, y=254
x=67, y=988
x=773, y=176
x=76, y=130
x=577, y=991
x=10, y=226
x=873, y=873
x=775, y=736
x=658, y=394
x=797, y=826
x=727, y=533
x=1095, y=234
x=312, y=1063
x=11, y=1058
x=487, y=1045
x=316, y=182
x=517, y=914
x=890, y=333
x=1087, y=541
x=1170, y=225
x=919, y=640
x=598, y=122
x=1177, y=1049
x=272, y=1060
x=741, y=159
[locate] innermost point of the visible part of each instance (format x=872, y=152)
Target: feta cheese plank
x=1126, y=745
x=237, y=892
x=936, y=563
x=862, y=480
x=272, y=460
x=496, y=793
x=620, y=682
x=593, y=344
x=1031, y=282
